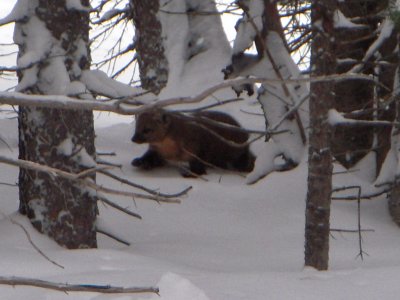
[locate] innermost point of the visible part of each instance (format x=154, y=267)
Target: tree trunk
x=57, y=33
x=394, y=195
x=153, y=65
x=350, y=144
x=323, y=62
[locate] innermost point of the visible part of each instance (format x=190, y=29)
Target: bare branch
x=125, y=106
x=150, y=191
x=113, y=236
x=87, y=182
x=351, y=230
x=65, y=287
x=361, y=197
x=118, y=207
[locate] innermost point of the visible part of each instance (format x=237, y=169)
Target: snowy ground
x=225, y=241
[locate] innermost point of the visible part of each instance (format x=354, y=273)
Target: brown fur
x=197, y=139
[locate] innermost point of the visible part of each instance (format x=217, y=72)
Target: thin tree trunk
x=153, y=64
x=57, y=138
x=319, y=158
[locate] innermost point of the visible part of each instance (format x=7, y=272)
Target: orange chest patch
x=170, y=149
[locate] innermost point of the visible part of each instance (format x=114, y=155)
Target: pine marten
x=199, y=139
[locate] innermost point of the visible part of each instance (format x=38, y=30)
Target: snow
x=175, y=287
x=214, y=48
x=38, y=46
x=97, y=81
x=19, y=11
x=76, y=5
x=66, y=147
x=385, y=31
x=334, y=118
x=226, y=240
x=85, y=159
x=340, y=21
x=290, y=143
x=109, y=15
x=248, y=27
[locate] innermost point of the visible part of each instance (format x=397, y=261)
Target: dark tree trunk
x=350, y=144
x=323, y=62
x=153, y=65
x=61, y=139
x=394, y=195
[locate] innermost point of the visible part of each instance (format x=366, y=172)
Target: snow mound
x=175, y=287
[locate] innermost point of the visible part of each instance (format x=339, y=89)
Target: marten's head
x=151, y=126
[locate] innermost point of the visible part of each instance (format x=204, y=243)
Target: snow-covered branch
x=337, y=119
x=385, y=31
x=130, y=106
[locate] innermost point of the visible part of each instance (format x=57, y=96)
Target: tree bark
x=318, y=201
x=153, y=64
x=394, y=195
x=349, y=144
x=58, y=138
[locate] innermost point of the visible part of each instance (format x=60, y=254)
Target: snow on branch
x=19, y=12
x=66, y=287
x=341, y=21
x=98, y=82
x=109, y=15
x=385, y=31
x=337, y=119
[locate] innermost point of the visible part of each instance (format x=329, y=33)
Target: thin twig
x=113, y=236
x=150, y=191
x=9, y=184
x=118, y=207
x=28, y=236
x=351, y=230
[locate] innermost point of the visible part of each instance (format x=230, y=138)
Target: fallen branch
x=66, y=287
x=107, y=163
x=362, y=197
x=9, y=184
x=351, y=230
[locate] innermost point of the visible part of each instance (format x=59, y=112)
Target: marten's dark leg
x=245, y=162
x=150, y=160
x=196, y=168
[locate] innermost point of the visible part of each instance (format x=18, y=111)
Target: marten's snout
x=138, y=138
